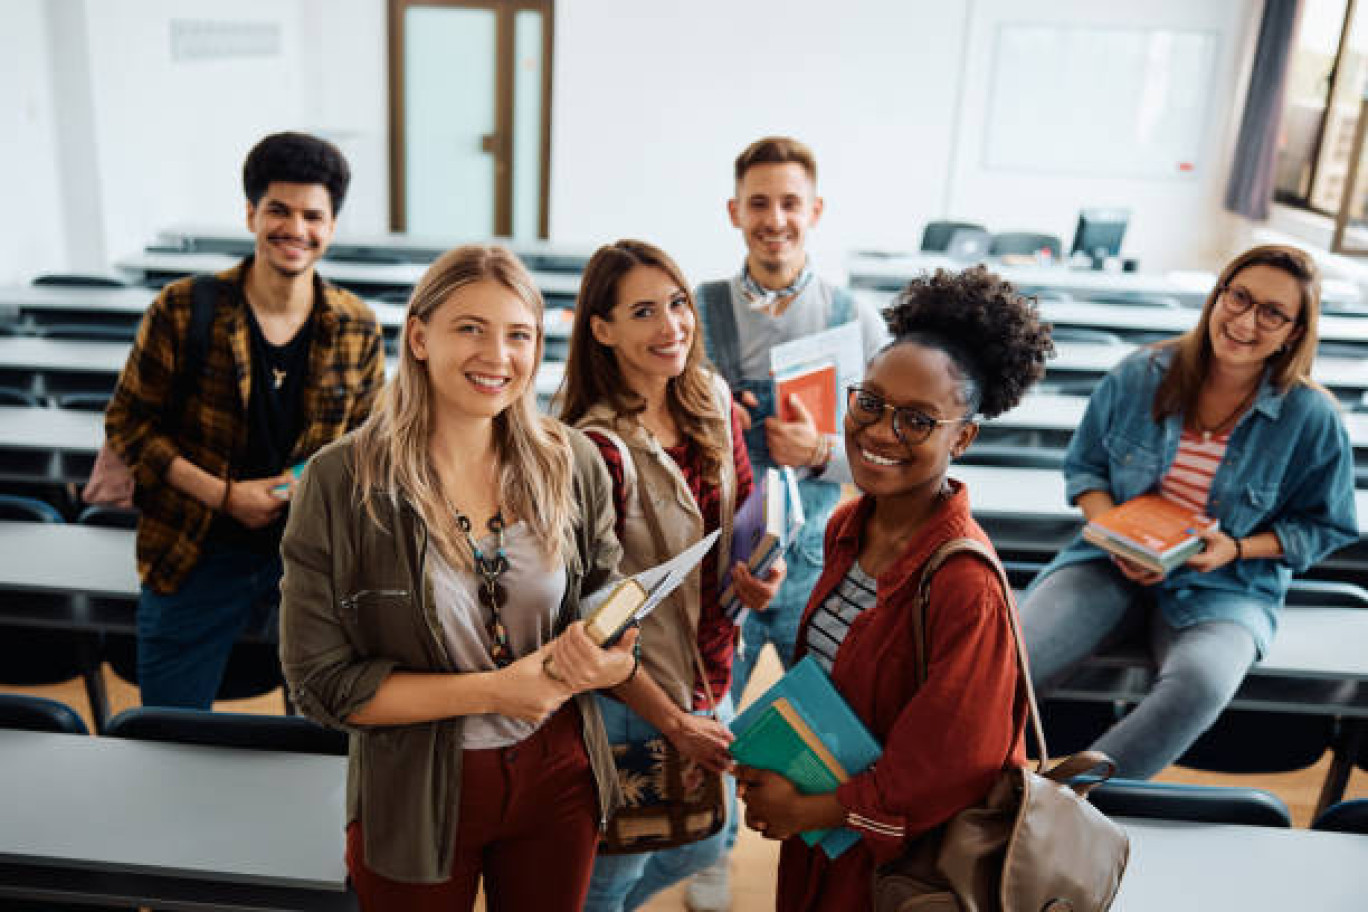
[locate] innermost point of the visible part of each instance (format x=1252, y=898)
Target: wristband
x=227, y=489
x=636, y=662
x=1239, y=549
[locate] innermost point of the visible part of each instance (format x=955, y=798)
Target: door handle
x=489, y=144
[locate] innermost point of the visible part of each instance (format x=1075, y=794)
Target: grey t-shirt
x=808, y=313
x=535, y=587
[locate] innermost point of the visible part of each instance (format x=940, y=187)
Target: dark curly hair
x=990, y=332
x=296, y=158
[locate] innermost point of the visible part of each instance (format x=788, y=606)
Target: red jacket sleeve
x=957, y=732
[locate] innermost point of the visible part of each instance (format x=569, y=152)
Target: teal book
x=803, y=729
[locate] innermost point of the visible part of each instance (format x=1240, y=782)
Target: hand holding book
x=576, y=662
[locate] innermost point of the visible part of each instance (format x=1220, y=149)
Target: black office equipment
x=1099, y=233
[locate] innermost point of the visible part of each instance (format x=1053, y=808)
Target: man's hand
x=252, y=501
x=744, y=403
x=756, y=594
x=792, y=443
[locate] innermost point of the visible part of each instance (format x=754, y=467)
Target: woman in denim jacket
x=1225, y=419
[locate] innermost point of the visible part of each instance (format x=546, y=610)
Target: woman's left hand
x=1220, y=550
x=579, y=664
x=756, y=593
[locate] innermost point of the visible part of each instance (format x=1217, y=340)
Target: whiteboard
x=1087, y=100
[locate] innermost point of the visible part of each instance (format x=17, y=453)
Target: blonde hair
x=391, y=449
x=1290, y=366
x=592, y=371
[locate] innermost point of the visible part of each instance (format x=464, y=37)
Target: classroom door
x=470, y=117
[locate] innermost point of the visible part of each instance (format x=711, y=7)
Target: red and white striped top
x=1188, y=481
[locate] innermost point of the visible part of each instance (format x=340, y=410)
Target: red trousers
x=528, y=823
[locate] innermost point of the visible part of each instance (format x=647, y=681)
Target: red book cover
x=815, y=387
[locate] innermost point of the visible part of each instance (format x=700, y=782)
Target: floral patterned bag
x=668, y=799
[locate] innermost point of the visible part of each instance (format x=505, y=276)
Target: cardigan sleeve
x=958, y=731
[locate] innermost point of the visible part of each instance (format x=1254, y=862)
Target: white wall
x=1175, y=221
x=31, y=231
x=654, y=99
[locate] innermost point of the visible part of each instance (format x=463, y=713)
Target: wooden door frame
x=505, y=12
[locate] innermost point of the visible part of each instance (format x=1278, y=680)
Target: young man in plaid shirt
x=290, y=364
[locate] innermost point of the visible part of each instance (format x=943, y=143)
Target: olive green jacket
x=356, y=605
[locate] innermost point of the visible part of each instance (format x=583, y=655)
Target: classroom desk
x=48, y=444
x=67, y=558
x=45, y=305
x=1177, y=866
x=175, y=826
x=48, y=365
x=538, y=255
x=159, y=268
x=891, y=272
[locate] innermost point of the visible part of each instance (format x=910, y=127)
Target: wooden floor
x=755, y=859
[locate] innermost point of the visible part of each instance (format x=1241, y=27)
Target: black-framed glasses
x=1238, y=301
x=911, y=426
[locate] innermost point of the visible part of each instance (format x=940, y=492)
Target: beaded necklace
x=491, y=593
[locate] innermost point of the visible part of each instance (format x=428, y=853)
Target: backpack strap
x=204, y=295
x=629, y=479
x=921, y=656
x=721, y=337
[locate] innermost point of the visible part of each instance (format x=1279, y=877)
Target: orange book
x=815, y=387
x=1149, y=530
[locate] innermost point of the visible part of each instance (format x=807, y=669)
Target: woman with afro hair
x=965, y=346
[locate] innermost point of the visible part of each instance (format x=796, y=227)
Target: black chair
x=113, y=331
x=1345, y=817
x=85, y=402
x=39, y=714
x=10, y=395
x=1024, y=243
x=1196, y=803
x=1073, y=725
x=79, y=280
x=108, y=517
x=219, y=729
x=936, y=235
x=35, y=656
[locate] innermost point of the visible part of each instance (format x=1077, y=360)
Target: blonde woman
x=435, y=562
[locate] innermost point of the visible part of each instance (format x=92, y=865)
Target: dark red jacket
x=943, y=744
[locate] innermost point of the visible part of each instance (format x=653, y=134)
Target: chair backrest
x=1345, y=817
x=11, y=395
x=1198, y=803
x=936, y=235
x=28, y=509
x=108, y=517
x=79, y=280
x=1024, y=243
x=85, y=402
x=294, y=734
x=39, y=714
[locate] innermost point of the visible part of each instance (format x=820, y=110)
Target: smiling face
x=776, y=205
x=884, y=466
x=650, y=329
x=1237, y=340
x=480, y=348
x=293, y=225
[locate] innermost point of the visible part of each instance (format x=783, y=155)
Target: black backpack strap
x=721, y=337
x=204, y=295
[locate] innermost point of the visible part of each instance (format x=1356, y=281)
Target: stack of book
x=761, y=530
x=1150, y=530
x=803, y=729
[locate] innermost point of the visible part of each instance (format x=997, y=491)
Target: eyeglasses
x=1238, y=301
x=911, y=426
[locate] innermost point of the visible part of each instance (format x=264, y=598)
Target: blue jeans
x=1081, y=608
x=184, y=638
x=626, y=882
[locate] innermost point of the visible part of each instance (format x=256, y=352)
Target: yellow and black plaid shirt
x=346, y=372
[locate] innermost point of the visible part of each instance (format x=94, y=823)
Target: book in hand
x=1150, y=530
x=814, y=385
x=625, y=604
x=761, y=530
x=803, y=729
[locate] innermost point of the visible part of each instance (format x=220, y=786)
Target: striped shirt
x=831, y=621
x=1188, y=481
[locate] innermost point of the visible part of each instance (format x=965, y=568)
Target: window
x=1321, y=142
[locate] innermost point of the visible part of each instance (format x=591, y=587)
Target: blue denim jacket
x=1288, y=468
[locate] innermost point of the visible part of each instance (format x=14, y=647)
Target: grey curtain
x=1250, y=190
